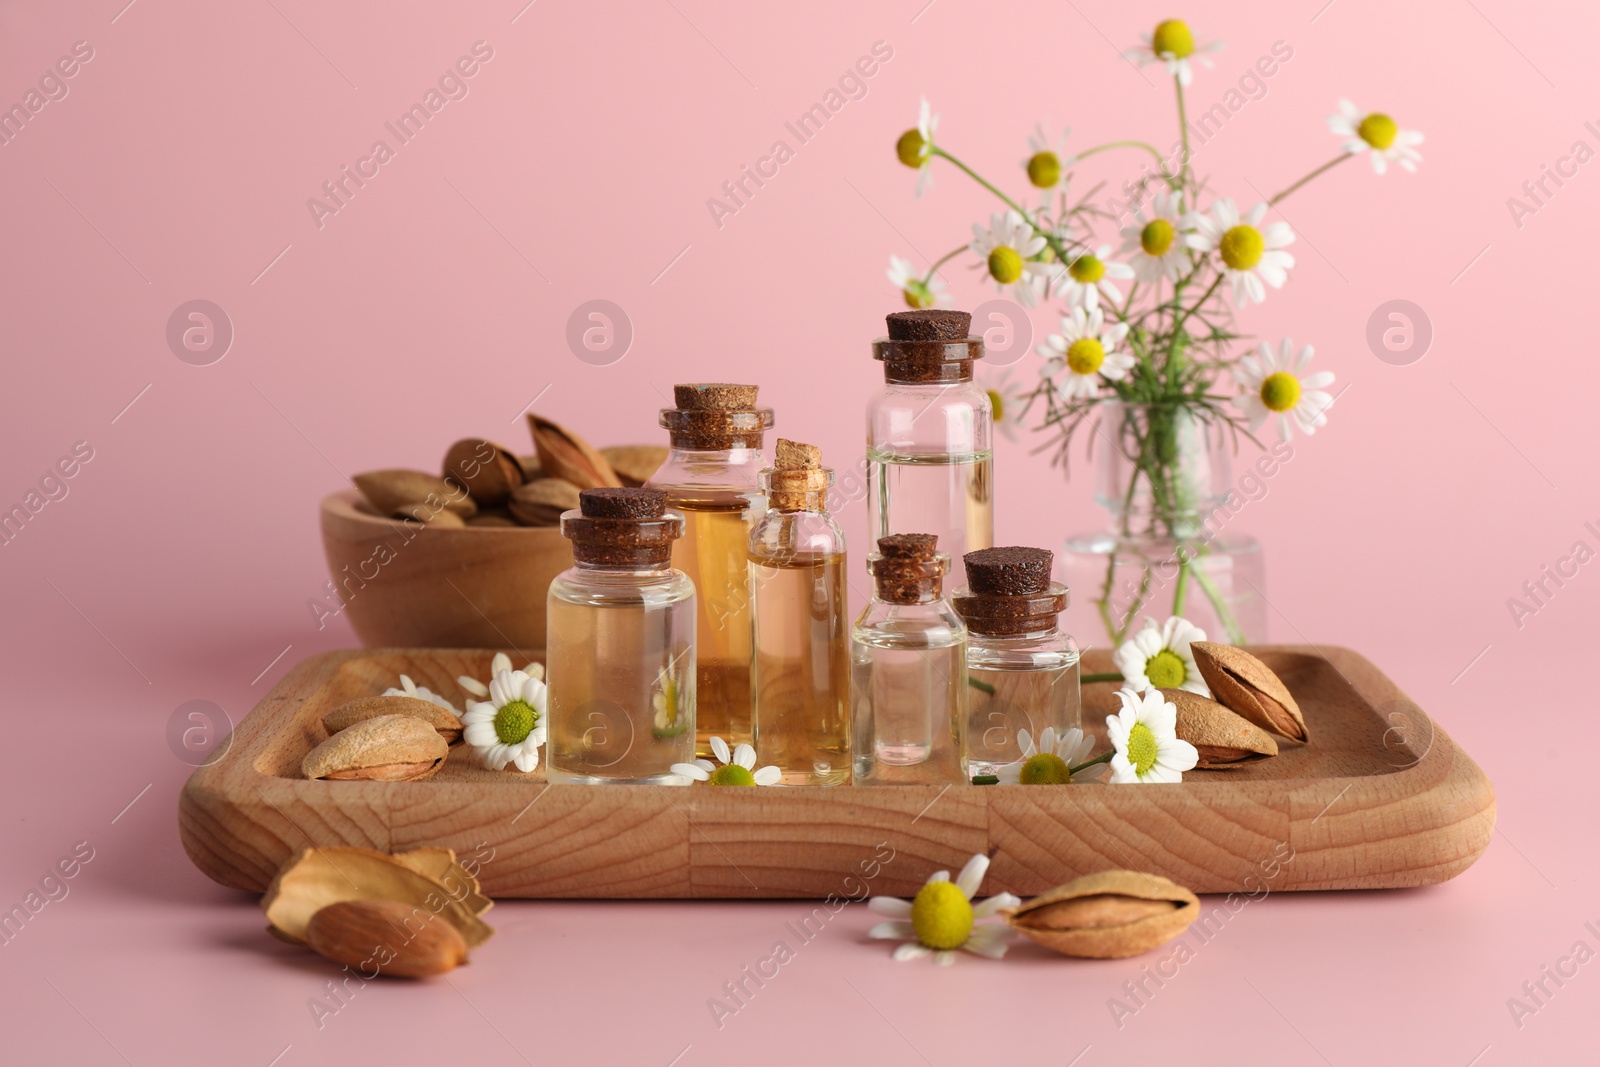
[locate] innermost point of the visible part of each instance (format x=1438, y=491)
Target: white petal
x=473, y=686
x=690, y=770
x=744, y=756
x=971, y=876
x=985, y=908
x=911, y=950
x=894, y=929
x=944, y=958
x=768, y=776
x=893, y=907
x=938, y=876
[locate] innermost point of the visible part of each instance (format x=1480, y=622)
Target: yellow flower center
x=1378, y=130
x=1142, y=748
x=1157, y=237
x=1280, y=391
x=1087, y=269
x=1005, y=265
x=1044, y=169
x=514, y=722
x=1166, y=669
x=912, y=148
x=997, y=405
x=941, y=915
x=1044, y=768
x=1172, y=37
x=1085, y=355
x=732, y=774
x=918, y=295
x=1242, y=246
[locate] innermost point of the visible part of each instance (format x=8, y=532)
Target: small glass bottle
x=800, y=675
x=1022, y=670
x=621, y=646
x=908, y=657
x=929, y=435
x=710, y=477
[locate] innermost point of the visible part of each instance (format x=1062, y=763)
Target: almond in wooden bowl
x=388, y=748
x=402, y=585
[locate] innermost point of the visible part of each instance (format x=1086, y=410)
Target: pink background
x=434, y=307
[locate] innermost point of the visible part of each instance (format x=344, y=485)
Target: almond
x=563, y=454
x=351, y=712
x=389, y=748
x=541, y=503
x=390, y=491
x=1222, y=738
x=1246, y=685
x=1108, y=915
x=635, y=464
x=487, y=470
x=386, y=937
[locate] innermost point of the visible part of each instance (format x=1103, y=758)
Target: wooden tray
x=1380, y=798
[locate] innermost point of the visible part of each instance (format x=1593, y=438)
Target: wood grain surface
x=1380, y=798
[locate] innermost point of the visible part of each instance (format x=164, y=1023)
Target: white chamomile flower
x=408, y=688
x=1006, y=402
x=1145, y=736
x=1047, y=161
x=1250, y=254
x=1086, y=348
x=510, y=726
x=501, y=662
x=917, y=292
x=1276, y=383
x=1364, y=130
x=1091, y=274
x=737, y=767
x=1154, y=239
x=1008, y=246
x=942, y=917
x=1172, y=45
x=1051, y=762
x=1160, y=656
x=667, y=700
x=915, y=147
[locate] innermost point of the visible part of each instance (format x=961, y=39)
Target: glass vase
x=1164, y=474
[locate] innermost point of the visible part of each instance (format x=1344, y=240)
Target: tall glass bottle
x=621, y=647
x=801, y=670
x=710, y=477
x=908, y=661
x=929, y=434
x=1022, y=670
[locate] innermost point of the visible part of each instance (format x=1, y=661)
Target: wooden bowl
x=406, y=586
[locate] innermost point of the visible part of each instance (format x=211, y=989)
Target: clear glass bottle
x=621, y=647
x=800, y=674
x=1022, y=670
x=710, y=477
x=908, y=662
x=929, y=435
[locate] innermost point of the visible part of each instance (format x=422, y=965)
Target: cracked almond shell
x=542, y=502
x=489, y=472
x=351, y=712
x=1247, y=686
x=1222, y=738
x=1106, y=916
x=635, y=464
x=386, y=937
x=389, y=748
x=391, y=492
x=318, y=877
x=563, y=454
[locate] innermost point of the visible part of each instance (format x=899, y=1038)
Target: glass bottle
x=710, y=477
x=930, y=465
x=1165, y=477
x=800, y=676
x=908, y=661
x=621, y=648
x=1022, y=670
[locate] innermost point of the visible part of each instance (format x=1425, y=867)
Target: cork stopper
x=1009, y=571
x=1009, y=592
x=624, y=529
x=908, y=568
x=797, y=481
x=716, y=416
x=622, y=503
x=935, y=324
x=714, y=396
x=928, y=347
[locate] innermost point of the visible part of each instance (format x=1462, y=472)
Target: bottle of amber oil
x=908, y=663
x=801, y=670
x=621, y=646
x=1022, y=669
x=711, y=478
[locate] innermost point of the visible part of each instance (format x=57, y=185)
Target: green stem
x=1197, y=304
x=933, y=267
x=1087, y=152
x=1183, y=130
x=1320, y=170
x=1181, y=588
x=1103, y=676
x=1051, y=239
x=982, y=687
x=1104, y=757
